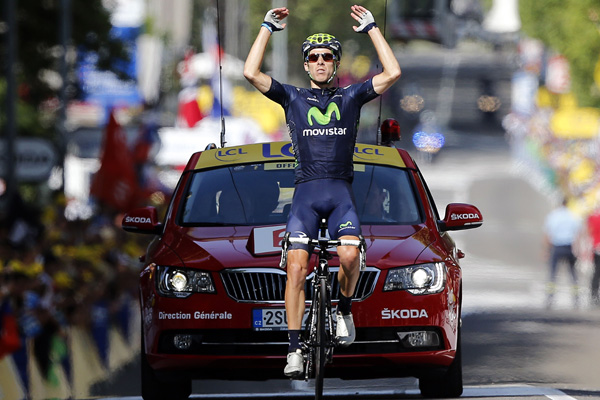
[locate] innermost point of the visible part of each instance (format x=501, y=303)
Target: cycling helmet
x=322, y=40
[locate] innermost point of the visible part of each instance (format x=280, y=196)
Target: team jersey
x=323, y=124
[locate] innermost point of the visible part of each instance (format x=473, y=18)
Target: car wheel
x=154, y=388
x=448, y=385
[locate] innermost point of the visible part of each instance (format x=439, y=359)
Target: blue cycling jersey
x=322, y=124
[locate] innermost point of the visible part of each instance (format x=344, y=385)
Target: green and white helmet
x=322, y=40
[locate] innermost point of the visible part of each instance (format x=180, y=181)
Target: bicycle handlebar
x=324, y=244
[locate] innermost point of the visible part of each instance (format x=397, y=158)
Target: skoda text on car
x=212, y=292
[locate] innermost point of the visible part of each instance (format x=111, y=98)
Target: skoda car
x=212, y=292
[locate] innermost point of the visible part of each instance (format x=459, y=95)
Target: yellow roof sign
x=283, y=152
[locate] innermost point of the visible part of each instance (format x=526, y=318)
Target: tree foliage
x=571, y=28
x=39, y=52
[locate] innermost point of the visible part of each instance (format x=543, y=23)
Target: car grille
x=268, y=284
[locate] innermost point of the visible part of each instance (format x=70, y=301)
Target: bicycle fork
x=329, y=320
x=330, y=326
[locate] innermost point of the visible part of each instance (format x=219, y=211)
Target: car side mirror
x=142, y=220
x=460, y=216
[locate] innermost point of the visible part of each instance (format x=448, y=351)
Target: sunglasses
x=327, y=57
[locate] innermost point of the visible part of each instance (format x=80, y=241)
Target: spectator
x=561, y=228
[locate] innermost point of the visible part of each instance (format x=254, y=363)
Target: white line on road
x=515, y=391
x=494, y=391
x=469, y=392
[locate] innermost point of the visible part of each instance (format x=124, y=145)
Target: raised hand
x=274, y=17
x=364, y=18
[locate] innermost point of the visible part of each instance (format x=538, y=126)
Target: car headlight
x=182, y=282
x=417, y=279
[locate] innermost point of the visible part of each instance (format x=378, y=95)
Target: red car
x=212, y=294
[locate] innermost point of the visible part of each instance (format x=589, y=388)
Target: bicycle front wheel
x=322, y=339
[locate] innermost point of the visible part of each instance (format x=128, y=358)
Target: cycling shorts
x=313, y=200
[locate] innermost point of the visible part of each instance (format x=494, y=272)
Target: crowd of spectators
x=563, y=166
x=56, y=274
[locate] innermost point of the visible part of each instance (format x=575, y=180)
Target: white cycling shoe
x=295, y=364
x=344, y=331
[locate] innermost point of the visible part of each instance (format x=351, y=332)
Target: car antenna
x=220, y=76
x=381, y=97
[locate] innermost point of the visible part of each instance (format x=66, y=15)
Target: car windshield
x=261, y=194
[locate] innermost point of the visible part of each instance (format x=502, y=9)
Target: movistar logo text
x=324, y=131
x=314, y=114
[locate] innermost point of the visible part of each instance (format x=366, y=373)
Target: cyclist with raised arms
x=322, y=122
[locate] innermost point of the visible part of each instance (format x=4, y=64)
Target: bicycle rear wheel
x=322, y=339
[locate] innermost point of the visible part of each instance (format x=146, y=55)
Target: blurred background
x=103, y=102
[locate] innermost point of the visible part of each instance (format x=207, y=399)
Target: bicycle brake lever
x=362, y=251
x=284, y=249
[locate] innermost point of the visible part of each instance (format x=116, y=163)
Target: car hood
x=393, y=246
x=214, y=248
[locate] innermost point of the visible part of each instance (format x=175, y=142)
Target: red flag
x=115, y=183
x=189, y=113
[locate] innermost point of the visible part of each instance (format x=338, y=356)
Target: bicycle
x=319, y=337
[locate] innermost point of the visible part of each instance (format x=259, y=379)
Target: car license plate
x=271, y=319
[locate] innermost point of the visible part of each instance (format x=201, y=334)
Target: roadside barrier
x=74, y=374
